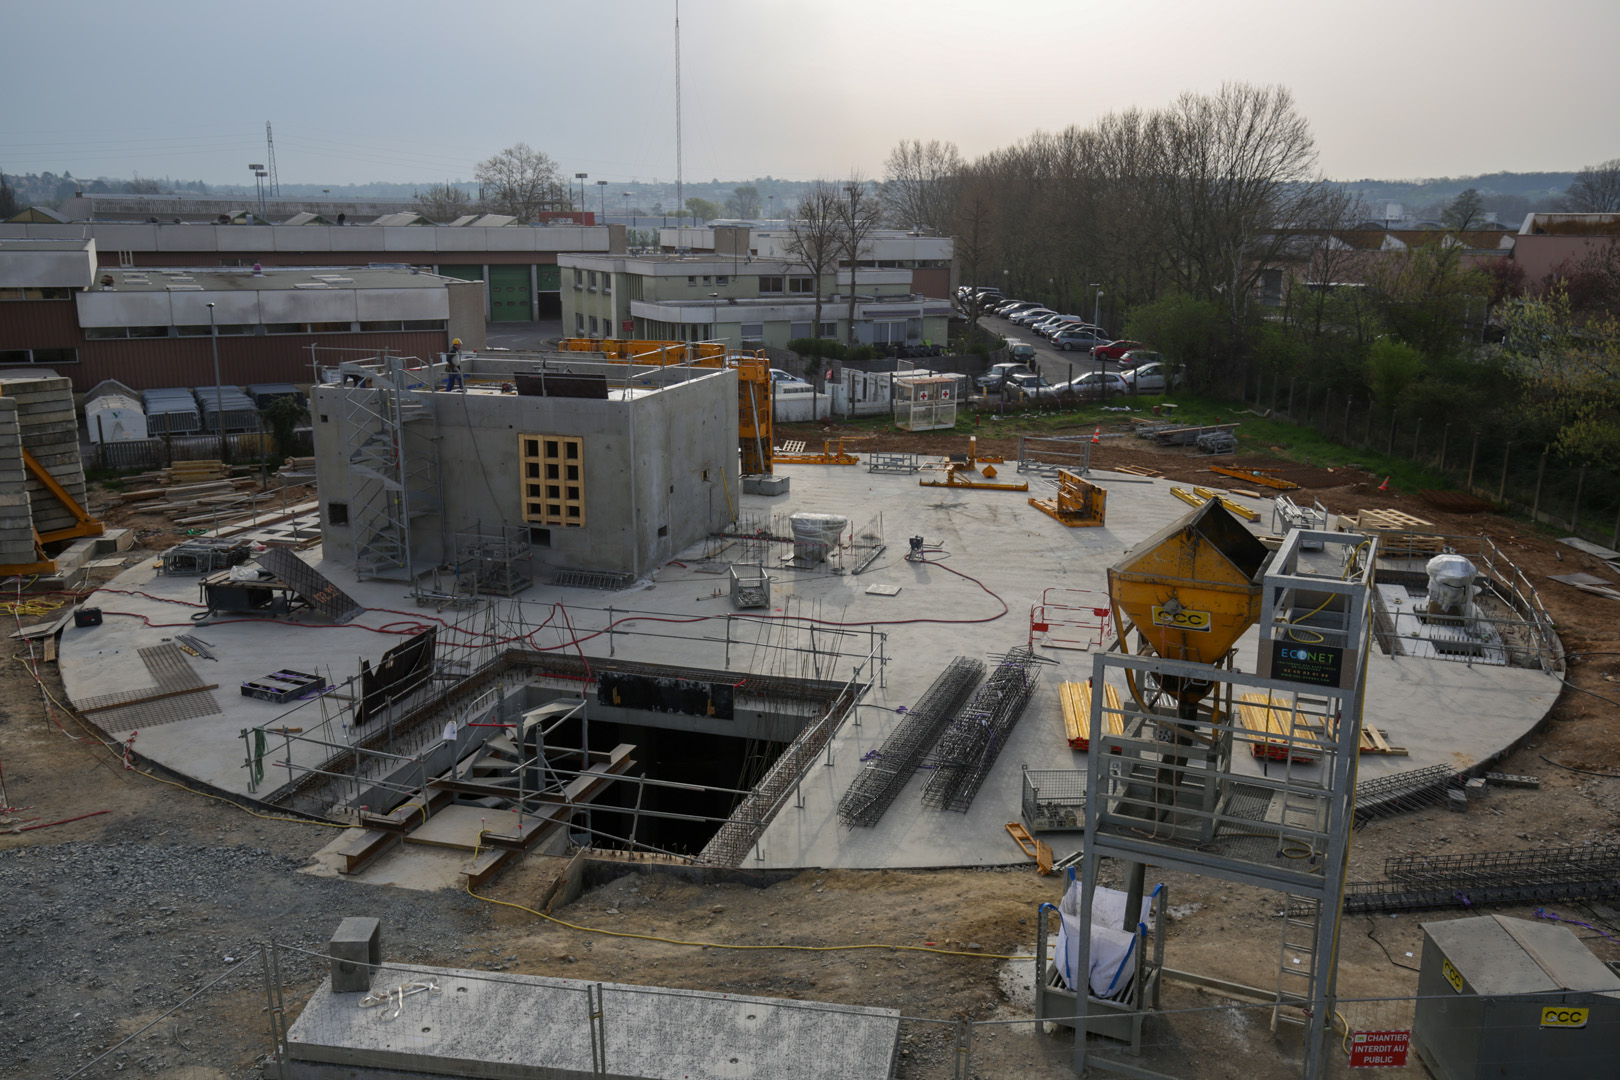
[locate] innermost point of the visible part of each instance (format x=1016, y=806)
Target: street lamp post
x=1096, y=323
x=714, y=317
x=219, y=388
x=258, y=182
x=627, y=210
x=581, y=178
x=601, y=199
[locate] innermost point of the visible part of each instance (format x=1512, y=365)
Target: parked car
x=1078, y=340
x=780, y=376
x=1057, y=322
x=1033, y=315
x=1015, y=307
x=1096, y=384
x=1150, y=378
x=1029, y=387
x=1115, y=349
x=999, y=374
x=1021, y=352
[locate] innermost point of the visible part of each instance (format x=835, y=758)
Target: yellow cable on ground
x=716, y=945
x=33, y=606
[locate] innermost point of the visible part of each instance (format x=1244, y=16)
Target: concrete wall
x=660, y=470
x=467, y=305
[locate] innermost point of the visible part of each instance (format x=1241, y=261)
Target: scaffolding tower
x=1162, y=790
x=390, y=440
x=498, y=559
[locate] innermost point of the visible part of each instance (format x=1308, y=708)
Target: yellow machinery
x=754, y=435
x=964, y=472
x=789, y=455
x=1078, y=503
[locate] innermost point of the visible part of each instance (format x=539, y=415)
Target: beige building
x=739, y=299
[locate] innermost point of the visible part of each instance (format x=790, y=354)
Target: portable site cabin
x=925, y=402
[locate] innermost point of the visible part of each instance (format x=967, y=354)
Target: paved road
x=1056, y=366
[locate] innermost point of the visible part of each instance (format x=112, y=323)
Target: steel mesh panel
x=311, y=585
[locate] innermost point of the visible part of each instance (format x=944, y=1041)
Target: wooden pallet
x=1390, y=520
x=1376, y=741
x=1137, y=470
x=1035, y=849
x=1076, y=700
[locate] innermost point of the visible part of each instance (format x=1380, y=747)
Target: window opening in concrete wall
x=553, y=479
x=539, y=537
x=337, y=513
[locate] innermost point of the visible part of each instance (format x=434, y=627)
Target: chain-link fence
x=1487, y=460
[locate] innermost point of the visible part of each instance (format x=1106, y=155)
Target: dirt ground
x=111, y=919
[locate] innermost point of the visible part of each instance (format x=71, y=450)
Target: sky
x=415, y=91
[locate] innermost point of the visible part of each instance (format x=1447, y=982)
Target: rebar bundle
x=970, y=745
x=1404, y=792
x=1489, y=877
x=890, y=767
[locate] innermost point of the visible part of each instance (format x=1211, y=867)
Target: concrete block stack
x=16, y=520
x=49, y=428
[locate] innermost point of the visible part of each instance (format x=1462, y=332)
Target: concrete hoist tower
x=390, y=440
x=1164, y=790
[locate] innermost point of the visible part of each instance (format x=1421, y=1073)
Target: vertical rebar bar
x=270, y=1003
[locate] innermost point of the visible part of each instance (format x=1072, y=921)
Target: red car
x=1114, y=349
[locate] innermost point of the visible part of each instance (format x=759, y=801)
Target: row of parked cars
x=1141, y=369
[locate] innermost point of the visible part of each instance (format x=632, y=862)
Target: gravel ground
x=99, y=937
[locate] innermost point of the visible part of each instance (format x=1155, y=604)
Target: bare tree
x=857, y=220
x=919, y=182
x=444, y=202
x=9, y=206
x=1596, y=189
x=521, y=181
x=814, y=238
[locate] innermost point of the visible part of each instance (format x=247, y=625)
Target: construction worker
x=452, y=367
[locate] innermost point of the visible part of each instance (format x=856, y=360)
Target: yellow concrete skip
x=1076, y=699
x=1272, y=722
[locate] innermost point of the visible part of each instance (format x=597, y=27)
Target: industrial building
x=518, y=262
x=930, y=259
x=157, y=326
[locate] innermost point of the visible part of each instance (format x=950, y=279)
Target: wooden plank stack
x=1076, y=699
x=202, y=493
x=1399, y=534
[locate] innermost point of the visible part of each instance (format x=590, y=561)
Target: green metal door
x=509, y=299
x=464, y=273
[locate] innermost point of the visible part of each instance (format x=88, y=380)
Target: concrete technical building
x=154, y=327
x=740, y=300
x=597, y=467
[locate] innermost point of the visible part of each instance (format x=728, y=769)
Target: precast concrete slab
x=998, y=556
x=515, y=1027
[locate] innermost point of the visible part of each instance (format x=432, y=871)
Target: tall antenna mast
x=270, y=146
x=680, y=174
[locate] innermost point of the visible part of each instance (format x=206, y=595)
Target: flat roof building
x=152, y=327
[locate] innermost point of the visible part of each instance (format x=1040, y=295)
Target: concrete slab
x=458, y=827
x=520, y=1026
x=999, y=555
x=425, y=869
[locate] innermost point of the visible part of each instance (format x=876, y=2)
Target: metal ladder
x=390, y=441
x=1299, y=828
x=1296, y=966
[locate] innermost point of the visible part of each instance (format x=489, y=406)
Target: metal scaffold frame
x=391, y=443
x=1164, y=791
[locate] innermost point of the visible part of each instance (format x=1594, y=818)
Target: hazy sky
x=408, y=90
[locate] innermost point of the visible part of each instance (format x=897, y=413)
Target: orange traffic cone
x=1385, y=485
x=1096, y=436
